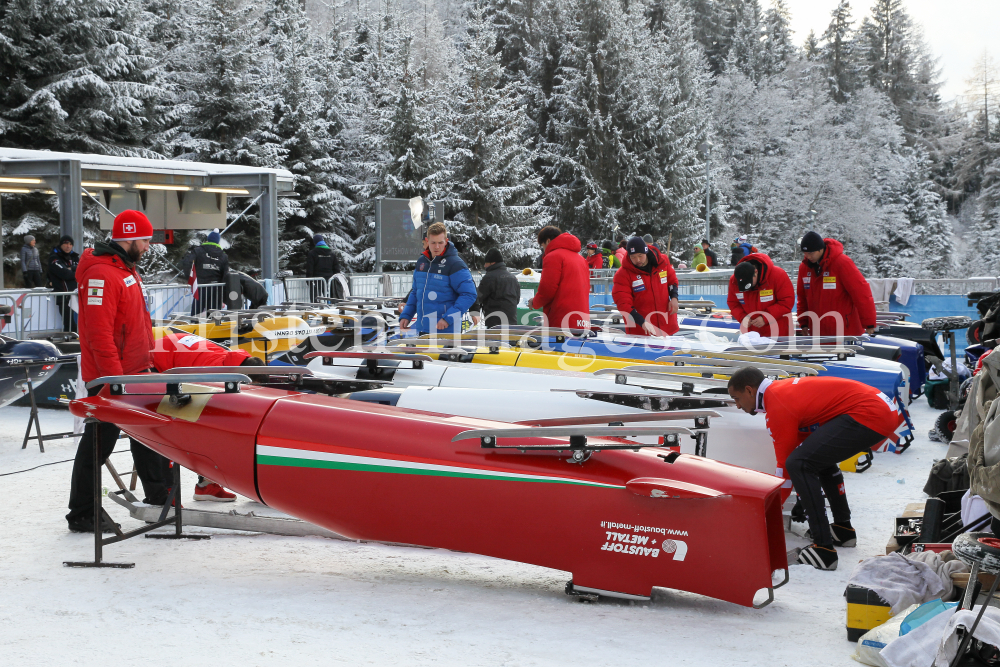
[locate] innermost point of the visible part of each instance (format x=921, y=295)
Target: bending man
x=817, y=422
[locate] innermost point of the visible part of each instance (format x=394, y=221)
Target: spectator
x=710, y=257
x=593, y=255
x=758, y=289
x=646, y=288
x=621, y=251
x=211, y=266
x=564, y=290
x=699, y=257
x=62, y=276
x=321, y=262
x=832, y=291
x=252, y=290
x=443, y=289
x=611, y=260
x=31, y=264
x=499, y=292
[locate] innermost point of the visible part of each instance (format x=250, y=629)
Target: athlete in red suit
x=832, y=288
x=762, y=291
x=815, y=423
x=646, y=289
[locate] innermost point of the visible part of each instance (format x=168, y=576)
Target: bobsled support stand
x=100, y=515
x=34, y=420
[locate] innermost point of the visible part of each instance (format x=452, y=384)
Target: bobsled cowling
x=621, y=522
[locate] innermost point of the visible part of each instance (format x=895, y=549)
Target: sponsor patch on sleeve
x=95, y=301
x=191, y=341
x=129, y=281
x=95, y=291
x=94, y=282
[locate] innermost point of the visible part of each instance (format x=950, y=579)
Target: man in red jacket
x=564, y=290
x=761, y=296
x=817, y=422
x=116, y=337
x=595, y=260
x=646, y=289
x=180, y=349
x=833, y=295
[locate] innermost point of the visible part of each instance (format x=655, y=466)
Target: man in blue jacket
x=443, y=289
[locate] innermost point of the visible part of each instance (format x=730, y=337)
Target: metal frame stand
x=970, y=599
x=100, y=514
x=33, y=419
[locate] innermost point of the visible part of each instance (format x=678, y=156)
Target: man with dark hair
x=815, y=423
x=591, y=253
x=116, y=338
x=499, y=292
x=62, y=275
x=564, y=290
x=832, y=292
x=211, y=266
x=711, y=258
x=443, y=289
x=761, y=296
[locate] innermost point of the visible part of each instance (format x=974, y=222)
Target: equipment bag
x=937, y=393
x=948, y=475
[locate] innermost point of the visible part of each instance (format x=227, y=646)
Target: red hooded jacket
x=793, y=408
x=595, y=261
x=774, y=295
x=647, y=292
x=835, y=286
x=186, y=350
x=116, y=335
x=564, y=290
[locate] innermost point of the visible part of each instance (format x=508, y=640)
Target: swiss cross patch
x=128, y=227
x=841, y=489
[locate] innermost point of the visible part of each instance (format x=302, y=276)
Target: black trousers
x=68, y=316
x=33, y=279
x=813, y=469
x=153, y=469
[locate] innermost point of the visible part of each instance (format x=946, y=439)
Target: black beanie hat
x=636, y=244
x=65, y=238
x=811, y=242
x=493, y=256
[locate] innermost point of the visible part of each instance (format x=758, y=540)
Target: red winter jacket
x=564, y=290
x=794, y=407
x=595, y=261
x=647, y=293
x=835, y=286
x=116, y=335
x=774, y=295
x=185, y=350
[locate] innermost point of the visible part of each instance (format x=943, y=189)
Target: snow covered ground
x=242, y=599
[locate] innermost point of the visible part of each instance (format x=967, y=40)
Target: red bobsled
x=620, y=520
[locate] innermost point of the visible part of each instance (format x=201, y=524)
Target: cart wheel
x=946, y=323
x=945, y=425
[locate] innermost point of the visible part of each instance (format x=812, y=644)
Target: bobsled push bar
x=706, y=371
x=444, y=352
x=700, y=417
x=701, y=355
x=622, y=376
x=578, y=444
x=786, y=351
x=489, y=335
x=118, y=383
x=655, y=399
x=371, y=358
x=779, y=366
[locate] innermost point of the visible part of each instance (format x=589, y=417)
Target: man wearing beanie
x=321, y=262
x=499, y=292
x=62, y=274
x=31, y=264
x=116, y=338
x=646, y=288
x=211, y=266
x=591, y=253
x=761, y=297
x=834, y=299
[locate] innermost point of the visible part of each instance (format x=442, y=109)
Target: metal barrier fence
x=162, y=301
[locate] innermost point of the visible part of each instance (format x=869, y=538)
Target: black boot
x=86, y=525
x=821, y=558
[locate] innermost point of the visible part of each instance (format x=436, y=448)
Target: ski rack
x=701, y=419
x=579, y=446
x=707, y=371
x=700, y=356
x=657, y=396
x=687, y=382
x=780, y=366
x=371, y=358
x=787, y=352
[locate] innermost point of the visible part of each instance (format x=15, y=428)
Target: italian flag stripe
x=302, y=458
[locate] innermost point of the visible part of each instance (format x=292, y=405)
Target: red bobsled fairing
x=621, y=521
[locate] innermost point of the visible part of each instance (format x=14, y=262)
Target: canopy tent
x=73, y=176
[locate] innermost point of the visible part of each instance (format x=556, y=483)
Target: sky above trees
x=957, y=32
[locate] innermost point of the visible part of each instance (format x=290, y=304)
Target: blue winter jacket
x=442, y=289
